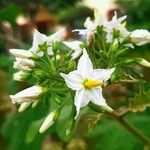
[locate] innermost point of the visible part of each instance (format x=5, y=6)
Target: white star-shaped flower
x=87, y=82
x=42, y=43
x=91, y=25
x=116, y=24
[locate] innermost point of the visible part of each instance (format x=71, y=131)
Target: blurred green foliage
x=137, y=12
x=21, y=130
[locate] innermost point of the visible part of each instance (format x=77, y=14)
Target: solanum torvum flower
x=116, y=25
x=140, y=37
x=87, y=82
x=28, y=95
x=43, y=43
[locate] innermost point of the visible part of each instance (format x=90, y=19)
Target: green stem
x=120, y=118
x=133, y=130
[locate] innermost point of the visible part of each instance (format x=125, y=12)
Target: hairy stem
x=120, y=119
x=130, y=128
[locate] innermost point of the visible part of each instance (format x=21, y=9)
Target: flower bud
x=21, y=76
x=28, y=95
x=49, y=121
x=140, y=37
x=143, y=62
x=21, y=53
x=23, y=106
x=24, y=64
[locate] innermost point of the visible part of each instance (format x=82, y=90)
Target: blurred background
x=18, y=18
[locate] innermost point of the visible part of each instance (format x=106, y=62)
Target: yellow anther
x=92, y=83
x=124, y=24
x=96, y=14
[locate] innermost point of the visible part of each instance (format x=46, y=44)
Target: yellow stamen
x=96, y=14
x=92, y=83
x=124, y=24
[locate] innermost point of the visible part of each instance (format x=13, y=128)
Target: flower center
x=92, y=83
x=43, y=46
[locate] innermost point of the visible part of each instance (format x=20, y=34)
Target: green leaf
x=110, y=135
x=140, y=102
x=64, y=120
x=10, y=13
x=33, y=130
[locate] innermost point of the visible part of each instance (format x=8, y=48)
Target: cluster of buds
x=49, y=59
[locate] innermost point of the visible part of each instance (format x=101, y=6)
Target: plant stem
x=120, y=119
x=133, y=130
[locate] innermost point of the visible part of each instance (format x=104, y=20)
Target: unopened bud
x=23, y=106
x=50, y=120
x=143, y=62
x=21, y=76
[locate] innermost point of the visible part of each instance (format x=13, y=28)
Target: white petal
x=50, y=51
x=23, y=106
x=24, y=64
x=95, y=95
x=81, y=100
x=74, y=45
x=27, y=95
x=84, y=64
x=21, y=53
x=40, y=54
x=73, y=80
x=76, y=53
x=38, y=38
x=48, y=122
x=89, y=24
x=102, y=74
x=58, y=36
x=81, y=31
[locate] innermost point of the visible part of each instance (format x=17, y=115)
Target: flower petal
x=102, y=74
x=84, y=64
x=38, y=38
x=50, y=51
x=81, y=100
x=81, y=31
x=27, y=95
x=74, y=45
x=76, y=53
x=58, y=36
x=95, y=95
x=73, y=80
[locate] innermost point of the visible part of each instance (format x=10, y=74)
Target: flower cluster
x=60, y=67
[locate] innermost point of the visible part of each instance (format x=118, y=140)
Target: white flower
x=90, y=25
x=49, y=121
x=87, y=82
x=116, y=24
x=28, y=95
x=140, y=37
x=75, y=46
x=21, y=53
x=21, y=76
x=23, y=106
x=24, y=64
x=42, y=43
